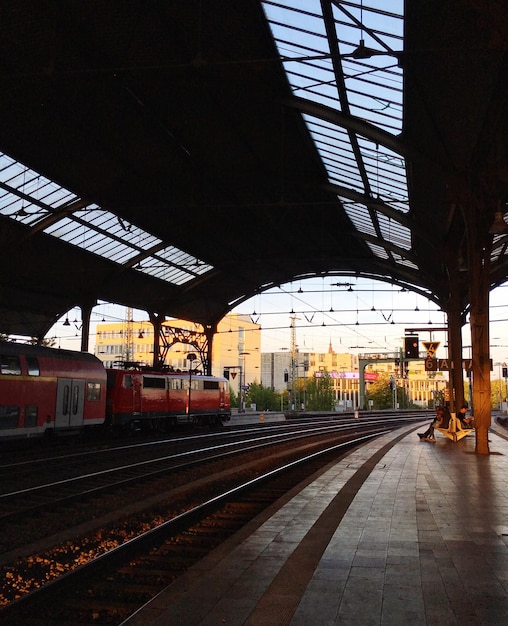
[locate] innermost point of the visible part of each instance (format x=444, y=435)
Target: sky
x=354, y=314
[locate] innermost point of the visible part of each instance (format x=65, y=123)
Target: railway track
x=111, y=587
x=221, y=477
x=17, y=503
x=63, y=483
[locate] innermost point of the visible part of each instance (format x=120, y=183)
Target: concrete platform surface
x=398, y=532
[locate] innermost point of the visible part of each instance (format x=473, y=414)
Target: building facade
x=422, y=387
x=236, y=347
x=237, y=353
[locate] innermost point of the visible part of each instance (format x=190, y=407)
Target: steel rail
x=157, y=535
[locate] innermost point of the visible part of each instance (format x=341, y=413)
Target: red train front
x=160, y=400
x=44, y=390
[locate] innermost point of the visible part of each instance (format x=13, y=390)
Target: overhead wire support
x=294, y=356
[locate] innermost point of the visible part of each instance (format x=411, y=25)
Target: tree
x=264, y=398
x=497, y=393
x=381, y=394
x=233, y=398
x=319, y=393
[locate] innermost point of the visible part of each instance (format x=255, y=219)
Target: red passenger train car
x=159, y=400
x=45, y=390
x=48, y=391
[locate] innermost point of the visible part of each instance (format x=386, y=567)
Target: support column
x=209, y=333
x=455, y=350
x=156, y=321
x=86, y=313
x=480, y=342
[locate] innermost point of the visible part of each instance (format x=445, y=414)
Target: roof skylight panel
x=378, y=250
x=28, y=197
x=384, y=182
x=394, y=232
x=360, y=216
x=402, y=260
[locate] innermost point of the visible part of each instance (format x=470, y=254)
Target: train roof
x=15, y=348
x=161, y=372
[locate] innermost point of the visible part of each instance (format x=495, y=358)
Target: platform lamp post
x=191, y=358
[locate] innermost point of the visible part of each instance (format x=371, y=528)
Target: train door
x=222, y=395
x=137, y=397
x=70, y=397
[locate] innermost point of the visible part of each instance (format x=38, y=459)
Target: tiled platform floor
x=423, y=540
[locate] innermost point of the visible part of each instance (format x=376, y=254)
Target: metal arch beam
x=366, y=29
x=376, y=135
x=343, y=98
x=55, y=214
x=387, y=246
x=407, y=279
x=171, y=335
x=380, y=206
x=341, y=88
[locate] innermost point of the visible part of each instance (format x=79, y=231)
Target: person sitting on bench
x=445, y=418
x=465, y=422
x=428, y=435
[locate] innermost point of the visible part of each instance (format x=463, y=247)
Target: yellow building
x=236, y=346
x=342, y=368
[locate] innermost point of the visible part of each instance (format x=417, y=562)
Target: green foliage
x=233, y=397
x=381, y=394
x=498, y=392
x=264, y=398
x=319, y=393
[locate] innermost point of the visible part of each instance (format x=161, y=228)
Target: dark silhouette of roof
x=179, y=157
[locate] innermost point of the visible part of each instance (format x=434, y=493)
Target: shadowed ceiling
x=179, y=157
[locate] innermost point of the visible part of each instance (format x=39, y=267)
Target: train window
x=93, y=391
x=30, y=416
x=210, y=384
x=9, y=416
x=154, y=382
x=33, y=366
x=75, y=400
x=127, y=381
x=10, y=365
x=65, y=400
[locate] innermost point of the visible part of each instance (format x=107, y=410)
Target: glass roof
x=344, y=57
x=343, y=62
x=32, y=199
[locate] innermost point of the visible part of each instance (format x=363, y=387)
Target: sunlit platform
x=399, y=532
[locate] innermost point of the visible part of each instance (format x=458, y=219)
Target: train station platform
x=400, y=531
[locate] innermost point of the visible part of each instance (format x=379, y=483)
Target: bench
x=455, y=431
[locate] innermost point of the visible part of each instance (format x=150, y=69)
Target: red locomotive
x=158, y=400
x=45, y=391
